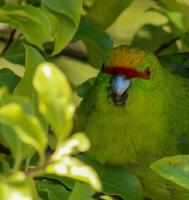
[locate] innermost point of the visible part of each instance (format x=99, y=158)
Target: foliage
x=40, y=43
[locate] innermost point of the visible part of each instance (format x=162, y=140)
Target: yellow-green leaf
x=54, y=94
x=106, y=11
x=67, y=16
x=175, y=168
x=17, y=186
x=32, y=21
x=27, y=126
x=73, y=168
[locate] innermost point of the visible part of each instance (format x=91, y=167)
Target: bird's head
x=127, y=68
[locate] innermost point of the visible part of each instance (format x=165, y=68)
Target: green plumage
x=151, y=125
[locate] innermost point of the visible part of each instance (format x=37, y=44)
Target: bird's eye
x=102, y=67
x=148, y=73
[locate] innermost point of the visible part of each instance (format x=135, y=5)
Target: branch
x=166, y=45
x=9, y=41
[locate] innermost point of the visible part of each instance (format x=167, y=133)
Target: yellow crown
x=126, y=56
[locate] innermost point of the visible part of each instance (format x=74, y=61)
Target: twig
x=166, y=45
x=9, y=41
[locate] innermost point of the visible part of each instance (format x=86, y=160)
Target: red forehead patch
x=129, y=73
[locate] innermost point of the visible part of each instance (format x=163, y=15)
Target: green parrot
x=134, y=113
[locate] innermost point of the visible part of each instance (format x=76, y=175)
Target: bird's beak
x=120, y=86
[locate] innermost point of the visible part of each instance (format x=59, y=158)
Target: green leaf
x=32, y=59
x=53, y=190
x=81, y=192
x=184, y=2
x=19, y=149
x=67, y=16
x=73, y=168
x=2, y=2
x=77, y=143
x=33, y=22
x=54, y=96
x=25, y=87
x=151, y=37
x=83, y=88
x=117, y=181
x=69, y=183
x=178, y=15
x=27, y=126
x=105, y=12
x=175, y=168
x=15, y=53
x=176, y=63
x=17, y=186
x=9, y=79
x=97, y=41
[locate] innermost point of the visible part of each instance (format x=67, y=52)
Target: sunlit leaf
x=97, y=41
x=19, y=149
x=27, y=127
x=177, y=13
x=77, y=143
x=105, y=12
x=175, y=168
x=33, y=22
x=73, y=168
x=54, y=95
x=17, y=186
x=67, y=16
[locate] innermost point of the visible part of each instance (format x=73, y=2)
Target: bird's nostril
x=119, y=100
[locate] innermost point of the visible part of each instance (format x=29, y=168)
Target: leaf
x=175, y=168
x=9, y=79
x=97, y=41
x=184, y=2
x=73, y=168
x=33, y=22
x=53, y=190
x=105, y=12
x=151, y=37
x=2, y=2
x=32, y=59
x=176, y=63
x=15, y=53
x=69, y=183
x=17, y=186
x=81, y=192
x=25, y=87
x=67, y=16
x=54, y=94
x=19, y=149
x=117, y=181
x=27, y=126
x=77, y=143
x=83, y=88
x=178, y=15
